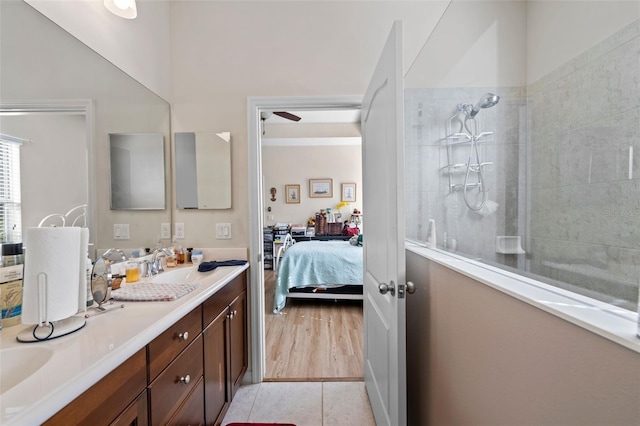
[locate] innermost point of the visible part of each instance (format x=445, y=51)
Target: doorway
x=258, y=206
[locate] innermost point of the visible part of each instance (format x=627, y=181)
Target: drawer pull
x=183, y=336
x=185, y=379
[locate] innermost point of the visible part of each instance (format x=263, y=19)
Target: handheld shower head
x=487, y=101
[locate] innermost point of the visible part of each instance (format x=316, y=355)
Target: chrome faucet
x=107, y=255
x=155, y=266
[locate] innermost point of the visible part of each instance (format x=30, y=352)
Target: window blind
x=10, y=203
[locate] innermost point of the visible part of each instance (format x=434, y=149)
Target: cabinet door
x=192, y=410
x=136, y=414
x=215, y=367
x=237, y=341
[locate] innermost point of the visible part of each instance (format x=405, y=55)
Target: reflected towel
x=210, y=266
x=153, y=292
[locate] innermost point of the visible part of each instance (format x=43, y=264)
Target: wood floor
x=313, y=340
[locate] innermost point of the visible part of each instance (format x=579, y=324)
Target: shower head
x=487, y=101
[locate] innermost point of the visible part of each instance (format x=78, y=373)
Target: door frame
x=256, y=206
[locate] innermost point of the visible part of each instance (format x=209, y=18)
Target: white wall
x=476, y=44
x=558, y=31
x=224, y=52
x=140, y=47
x=284, y=165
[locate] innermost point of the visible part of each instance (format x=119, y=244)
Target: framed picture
x=320, y=188
x=348, y=192
x=293, y=193
x=338, y=217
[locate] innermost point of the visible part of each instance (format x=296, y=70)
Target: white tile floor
x=302, y=403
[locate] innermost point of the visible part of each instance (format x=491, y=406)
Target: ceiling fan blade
x=287, y=115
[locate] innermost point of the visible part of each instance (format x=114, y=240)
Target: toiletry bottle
x=180, y=254
x=188, y=255
x=197, y=257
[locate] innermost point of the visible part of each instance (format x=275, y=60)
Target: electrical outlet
x=223, y=231
x=179, y=231
x=165, y=231
x=121, y=231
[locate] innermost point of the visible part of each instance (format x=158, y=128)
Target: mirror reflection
x=203, y=170
x=65, y=72
x=137, y=171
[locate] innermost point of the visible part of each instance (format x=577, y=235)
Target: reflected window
x=10, y=202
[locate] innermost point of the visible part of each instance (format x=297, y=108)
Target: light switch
x=121, y=231
x=165, y=231
x=179, y=231
x=223, y=231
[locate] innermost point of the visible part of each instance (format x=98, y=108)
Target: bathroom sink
x=181, y=275
x=16, y=364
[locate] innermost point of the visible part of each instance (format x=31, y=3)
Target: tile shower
x=561, y=172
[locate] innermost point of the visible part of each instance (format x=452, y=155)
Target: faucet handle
x=145, y=265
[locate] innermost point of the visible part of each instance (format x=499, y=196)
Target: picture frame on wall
x=293, y=194
x=320, y=188
x=348, y=192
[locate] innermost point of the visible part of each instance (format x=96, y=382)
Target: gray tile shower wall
x=584, y=136
x=427, y=182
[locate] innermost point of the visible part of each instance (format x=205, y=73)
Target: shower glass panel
x=543, y=178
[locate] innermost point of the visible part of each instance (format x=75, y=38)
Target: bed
x=318, y=269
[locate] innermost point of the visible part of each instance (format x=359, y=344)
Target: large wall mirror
x=203, y=170
x=64, y=100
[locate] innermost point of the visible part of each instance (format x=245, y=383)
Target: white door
x=383, y=219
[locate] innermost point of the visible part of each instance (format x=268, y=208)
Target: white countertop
x=81, y=359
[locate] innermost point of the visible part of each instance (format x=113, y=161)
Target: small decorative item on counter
x=197, y=257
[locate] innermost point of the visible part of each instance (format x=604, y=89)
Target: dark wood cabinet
x=136, y=414
x=215, y=367
x=225, y=347
x=105, y=401
x=186, y=375
x=237, y=341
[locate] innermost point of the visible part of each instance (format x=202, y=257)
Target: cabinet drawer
x=192, y=410
x=168, y=391
x=164, y=348
x=219, y=301
x=109, y=397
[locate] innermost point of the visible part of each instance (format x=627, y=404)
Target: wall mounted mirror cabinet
x=203, y=170
x=137, y=171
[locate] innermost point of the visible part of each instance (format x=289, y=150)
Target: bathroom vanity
x=176, y=362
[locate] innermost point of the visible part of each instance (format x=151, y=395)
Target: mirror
x=203, y=170
x=41, y=61
x=137, y=171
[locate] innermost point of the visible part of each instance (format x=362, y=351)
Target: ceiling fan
x=286, y=115
x=283, y=114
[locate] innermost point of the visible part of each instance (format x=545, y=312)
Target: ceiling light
x=123, y=8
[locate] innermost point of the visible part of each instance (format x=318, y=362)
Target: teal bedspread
x=318, y=264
